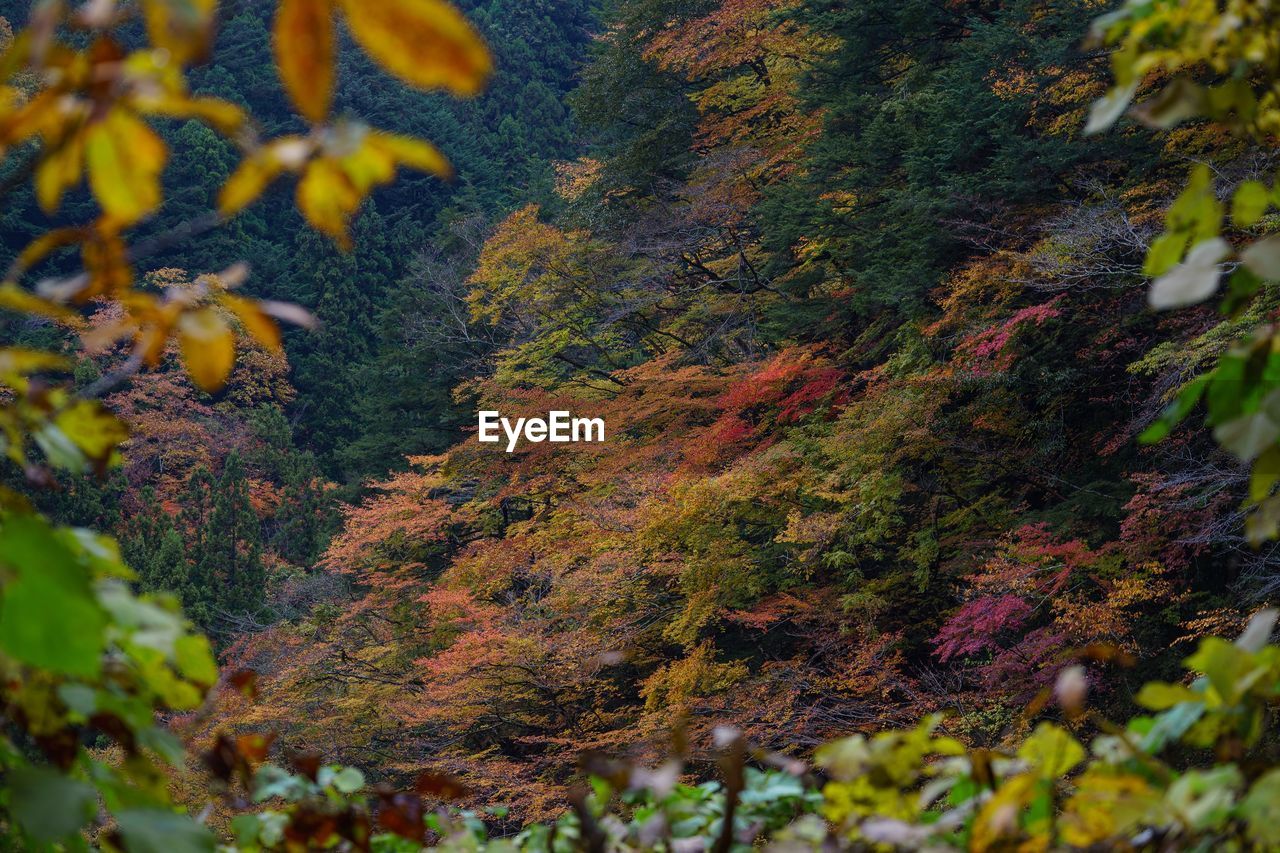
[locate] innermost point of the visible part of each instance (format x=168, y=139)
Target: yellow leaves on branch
x=89, y=118
x=81, y=106
x=205, y=318
x=339, y=167
x=426, y=43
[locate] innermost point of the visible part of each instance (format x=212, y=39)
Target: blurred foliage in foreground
x=911, y=789
x=89, y=668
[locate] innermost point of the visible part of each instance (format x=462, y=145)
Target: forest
x=934, y=348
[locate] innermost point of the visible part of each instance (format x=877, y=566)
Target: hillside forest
x=935, y=346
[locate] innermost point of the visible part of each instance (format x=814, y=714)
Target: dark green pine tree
x=918, y=135
x=407, y=406
x=199, y=594
x=640, y=119
x=227, y=578
x=233, y=553
x=306, y=517
x=305, y=520
x=342, y=290
x=153, y=547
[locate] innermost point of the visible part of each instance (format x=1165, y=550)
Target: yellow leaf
x=327, y=199
x=426, y=43
x=41, y=247
x=368, y=166
x=38, y=115
x=255, y=321
x=14, y=298
x=208, y=348
x=414, y=153
x=1051, y=751
x=304, y=48
x=94, y=430
x=125, y=161
x=259, y=169
x=222, y=115
x=20, y=361
x=1107, y=803
x=60, y=170
x=254, y=175
x=183, y=27
x=998, y=823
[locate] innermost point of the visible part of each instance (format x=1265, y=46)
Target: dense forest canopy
x=935, y=348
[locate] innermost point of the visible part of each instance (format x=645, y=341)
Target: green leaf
x=157, y=831
x=1192, y=281
x=1261, y=810
x=1052, y=751
x=50, y=806
x=1159, y=696
x=49, y=617
x=1249, y=203
x=1242, y=286
x=79, y=698
x=1266, y=473
x=1257, y=634
x=1248, y=436
x=1177, y=411
x=1229, y=669
x=1204, y=799
x=195, y=659
x=1165, y=252
x=1263, y=257
x=1168, y=726
x=1179, y=101
x=245, y=827
x=165, y=744
x=1107, y=109
x=348, y=780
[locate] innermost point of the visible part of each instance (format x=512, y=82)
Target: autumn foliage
x=896, y=511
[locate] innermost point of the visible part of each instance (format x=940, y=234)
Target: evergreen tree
x=918, y=140
x=233, y=556
x=153, y=547
x=226, y=575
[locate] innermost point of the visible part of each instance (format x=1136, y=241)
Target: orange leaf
x=304, y=48
x=107, y=264
x=426, y=43
x=208, y=348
